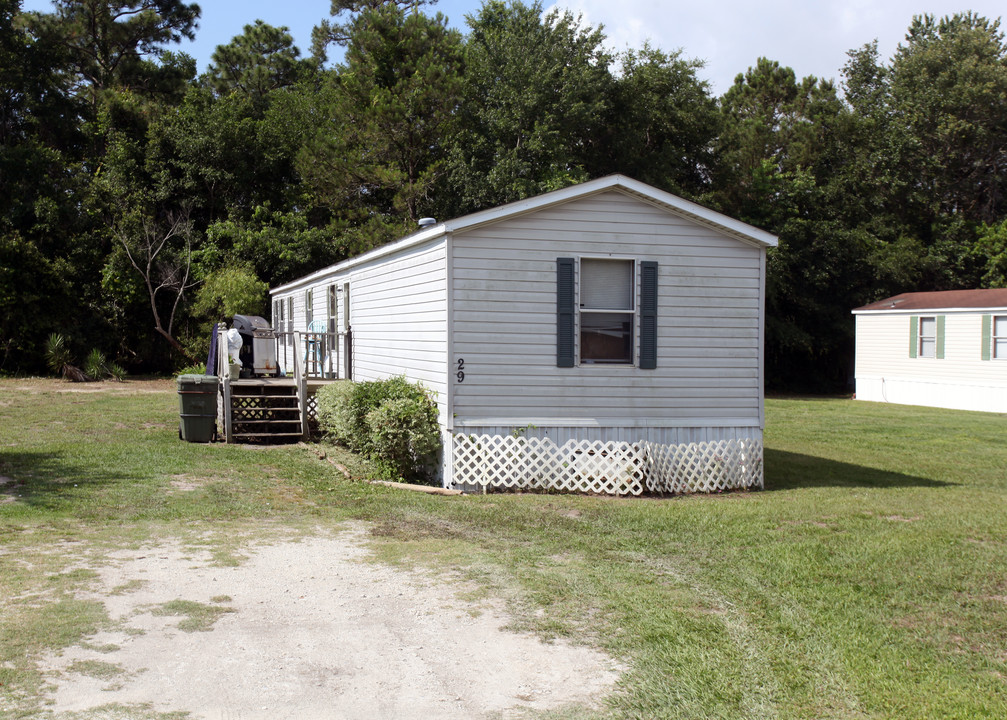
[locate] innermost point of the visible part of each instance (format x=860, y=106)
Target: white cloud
x=811, y=37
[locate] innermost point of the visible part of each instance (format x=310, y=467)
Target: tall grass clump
x=393, y=422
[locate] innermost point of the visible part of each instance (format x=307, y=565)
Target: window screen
x=290, y=319
x=928, y=337
x=606, y=284
x=1000, y=337
x=332, y=308
x=606, y=315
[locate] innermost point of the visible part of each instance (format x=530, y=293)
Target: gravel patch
x=309, y=629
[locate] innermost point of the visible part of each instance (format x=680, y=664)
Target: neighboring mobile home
x=606, y=337
x=943, y=349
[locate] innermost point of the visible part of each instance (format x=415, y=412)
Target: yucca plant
x=60, y=360
x=95, y=366
x=115, y=371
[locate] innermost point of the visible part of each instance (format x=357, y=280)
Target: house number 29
x=461, y=370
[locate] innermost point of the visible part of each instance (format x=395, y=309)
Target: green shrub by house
x=392, y=421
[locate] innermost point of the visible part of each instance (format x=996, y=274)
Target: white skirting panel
x=933, y=393
x=614, y=461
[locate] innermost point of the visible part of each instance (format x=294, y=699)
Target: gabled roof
x=679, y=206
x=992, y=299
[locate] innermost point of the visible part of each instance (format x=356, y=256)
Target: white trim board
x=522, y=421
x=935, y=311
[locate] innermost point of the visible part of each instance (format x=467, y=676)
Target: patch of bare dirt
x=306, y=629
x=37, y=386
x=187, y=483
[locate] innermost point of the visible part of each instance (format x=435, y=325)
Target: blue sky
x=810, y=36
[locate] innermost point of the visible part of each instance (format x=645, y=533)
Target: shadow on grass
x=788, y=471
x=49, y=480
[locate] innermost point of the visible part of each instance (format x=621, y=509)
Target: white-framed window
x=290, y=319
x=332, y=306
x=999, y=338
x=607, y=304
x=279, y=322
x=346, y=307
x=309, y=308
x=927, y=344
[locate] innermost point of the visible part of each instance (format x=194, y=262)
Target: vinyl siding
x=504, y=319
x=398, y=315
x=962, y=379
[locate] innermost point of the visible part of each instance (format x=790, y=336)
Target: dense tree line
x=140, y=200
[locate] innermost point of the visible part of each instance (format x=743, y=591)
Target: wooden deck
x=269, y=409
x=313, y=383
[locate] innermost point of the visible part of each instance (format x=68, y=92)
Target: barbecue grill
x=258, y=346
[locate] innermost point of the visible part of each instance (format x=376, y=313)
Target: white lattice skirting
x=613, y=468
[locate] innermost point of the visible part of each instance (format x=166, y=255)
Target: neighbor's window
x=607, y=311
x=928, y=337
x=309, y=308
x=1000, y=337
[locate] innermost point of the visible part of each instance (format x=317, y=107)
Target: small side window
x=1000, y=337
x=928, y=337
x=290, y=319
x=331, y=304
x=280, y=322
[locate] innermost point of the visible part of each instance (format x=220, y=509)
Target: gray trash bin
x=197, y=407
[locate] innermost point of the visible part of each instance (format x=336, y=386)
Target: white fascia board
x=925, y=311
x=408, y=241
x=681, y=206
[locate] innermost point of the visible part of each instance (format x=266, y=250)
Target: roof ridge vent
x=427, y=222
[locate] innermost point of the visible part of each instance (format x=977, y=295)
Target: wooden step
x=281, y=413
x=266, y=435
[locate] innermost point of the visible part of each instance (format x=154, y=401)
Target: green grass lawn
x=869, y=579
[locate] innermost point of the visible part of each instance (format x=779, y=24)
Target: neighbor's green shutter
x=940, y=337
x=648, y=315
x=914, y=328
x=987, y=335
x=565, y=334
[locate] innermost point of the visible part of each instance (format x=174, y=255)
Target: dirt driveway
x=308, y=629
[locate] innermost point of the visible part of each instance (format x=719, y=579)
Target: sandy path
x=312, y=632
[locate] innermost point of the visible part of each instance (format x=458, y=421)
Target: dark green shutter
x=565, y=328
x=648, y=315
x=987, y=336
x=940, y=337
x=914, y=328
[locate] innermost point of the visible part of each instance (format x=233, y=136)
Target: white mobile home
x=943, y=349
x=606, y=337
